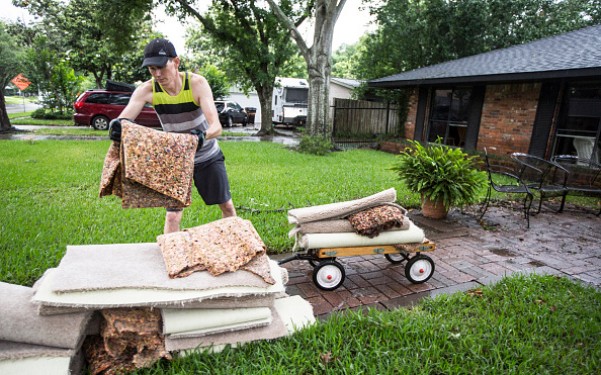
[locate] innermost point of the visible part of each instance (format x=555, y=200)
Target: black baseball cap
x=158, y=52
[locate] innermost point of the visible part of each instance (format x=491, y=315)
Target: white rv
x=289, y=102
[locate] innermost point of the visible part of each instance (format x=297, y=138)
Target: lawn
x=522, y=325
x=24, y=118
x=50, y=194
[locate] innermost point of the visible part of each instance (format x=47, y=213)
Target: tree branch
x=296, y=35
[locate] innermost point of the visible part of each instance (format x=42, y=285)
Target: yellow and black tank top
x=180, y=114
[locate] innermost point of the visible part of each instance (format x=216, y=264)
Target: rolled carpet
x=339, y=209
x=413, y=234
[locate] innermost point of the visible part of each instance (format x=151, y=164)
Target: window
x=294, y=95
x=120, y=99
x=578, y=132
x=100, y=98
x=449, y=115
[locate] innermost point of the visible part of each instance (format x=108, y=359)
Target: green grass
x=24, y=118
x=522, y=325
x=50, y=198
x=14, y=100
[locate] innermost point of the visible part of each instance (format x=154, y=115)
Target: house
x=542, y=98
x=342, y=88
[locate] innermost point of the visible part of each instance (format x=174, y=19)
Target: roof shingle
x=573, y=54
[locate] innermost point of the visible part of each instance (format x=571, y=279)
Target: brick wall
x=508, y=117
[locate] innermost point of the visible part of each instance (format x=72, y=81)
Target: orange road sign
x=20, y=81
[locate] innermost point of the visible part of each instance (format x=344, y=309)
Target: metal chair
x=540, y=175
x=584, y=178
x=503, y=180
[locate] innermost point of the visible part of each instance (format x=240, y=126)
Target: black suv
x=231, y=113
x=98, y=107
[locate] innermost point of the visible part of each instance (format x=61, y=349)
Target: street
x=26, y=107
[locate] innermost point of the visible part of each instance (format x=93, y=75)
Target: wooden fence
x=360, y=117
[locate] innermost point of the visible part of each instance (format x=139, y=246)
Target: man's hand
x=115, y=130
x=201, y=137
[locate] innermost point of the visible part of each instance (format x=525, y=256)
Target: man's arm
x=204, y=96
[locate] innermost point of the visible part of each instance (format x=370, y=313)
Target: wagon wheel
x=396, y=258
x=328, y=275
x=419, y=269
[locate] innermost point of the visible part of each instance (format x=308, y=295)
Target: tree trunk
x=265, y=93
x=4, y=120
x=318, y=110
x=319, y=61
x=319, y=67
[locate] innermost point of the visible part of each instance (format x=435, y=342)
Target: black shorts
x=210, y=179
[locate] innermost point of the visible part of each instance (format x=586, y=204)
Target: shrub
x=42, y=114
x=438, y=171
x=315, y=145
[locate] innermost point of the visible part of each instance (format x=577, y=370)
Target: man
x=184, y=103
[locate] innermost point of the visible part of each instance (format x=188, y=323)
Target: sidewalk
x=467, y=257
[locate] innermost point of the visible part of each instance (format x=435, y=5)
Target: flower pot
x=434, y=209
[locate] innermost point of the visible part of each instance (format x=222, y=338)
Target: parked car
x=98, y=107
x=231, y=113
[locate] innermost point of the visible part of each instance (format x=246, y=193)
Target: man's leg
x=172, y=221
x=213, y=185
x=227, y=209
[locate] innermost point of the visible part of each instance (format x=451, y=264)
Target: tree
x=318, y=58
x=429, y=32
x=63, y=87
x=217, y=80
x=9, y=67
x=97, y=35
x=344, y=60
x=256, y=45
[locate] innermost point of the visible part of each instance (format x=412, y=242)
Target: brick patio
x=467, y=256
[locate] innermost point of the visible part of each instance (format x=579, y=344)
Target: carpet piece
x=295, y=312
x=372, y=221
x=221, y=246
x=20, y=322
x=212, y=303
x=340, y=209
x=129, y=339
x=151, y=168
x=413, y=234
x=20, y=358
x=130, y=293
x=110, y=180
x=203, y=322
x=97, y=267
x=287, y=312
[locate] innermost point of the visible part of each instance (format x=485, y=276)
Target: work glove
x=115, y=129
x=201, y=137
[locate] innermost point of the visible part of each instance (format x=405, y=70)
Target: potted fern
x=443, y=176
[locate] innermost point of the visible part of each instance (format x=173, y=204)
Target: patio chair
x=584, y=178
x=543, y=176
x=502, y=179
